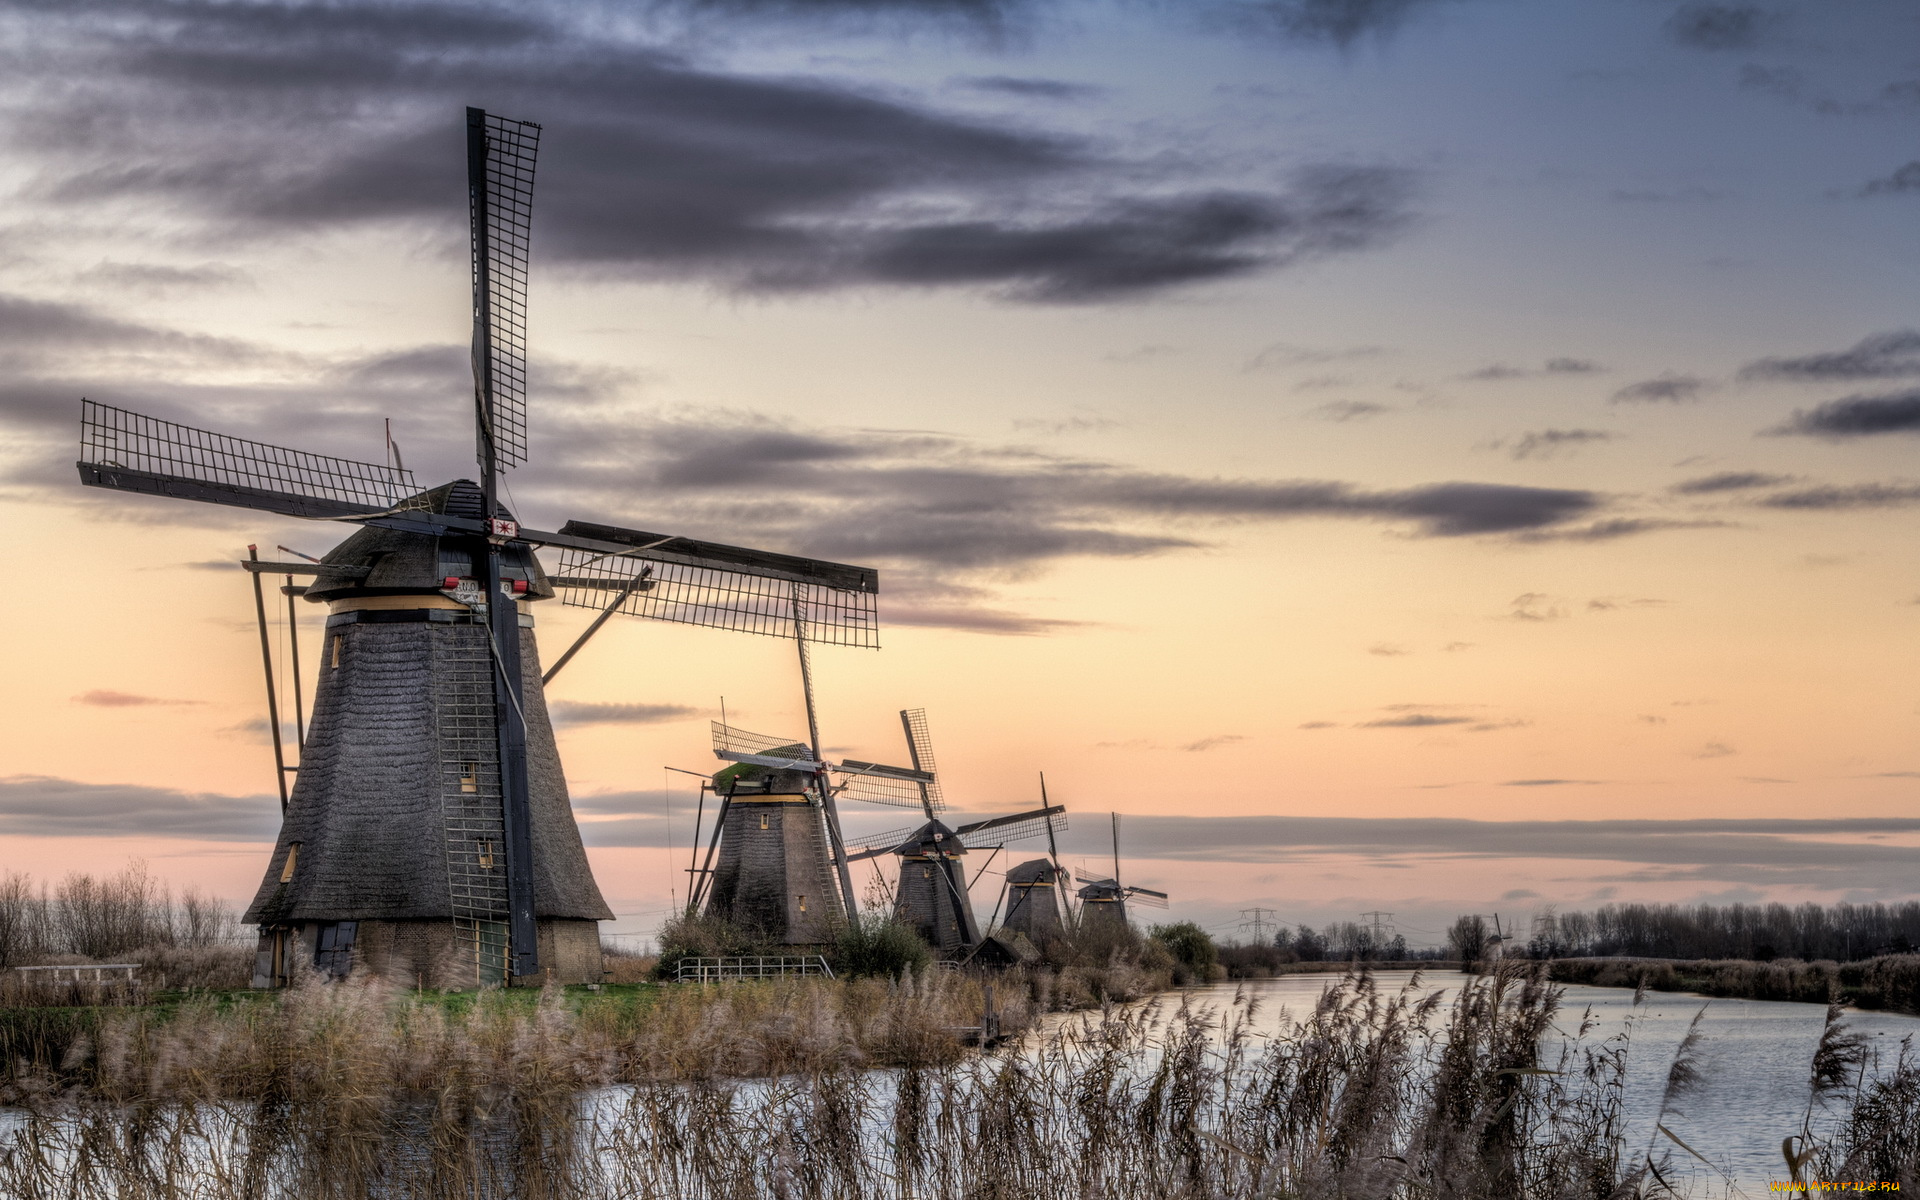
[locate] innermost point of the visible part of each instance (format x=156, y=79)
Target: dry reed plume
x=811, y=1090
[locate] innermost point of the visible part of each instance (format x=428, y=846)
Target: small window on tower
x=763, y=821
x=293, y=861
x=486, y=855
x=336, y=650
x=469, y=777
x=803, y=902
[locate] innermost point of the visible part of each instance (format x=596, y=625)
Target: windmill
x=428, y=835
x=1035, y=897
x=775, y=863
x=932, y=894
x=1103, y=902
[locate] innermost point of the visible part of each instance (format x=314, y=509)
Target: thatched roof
x=400, y=562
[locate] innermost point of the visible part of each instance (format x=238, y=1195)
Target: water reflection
x=1757, y=1058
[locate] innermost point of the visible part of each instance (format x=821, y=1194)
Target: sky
x=1425, y=456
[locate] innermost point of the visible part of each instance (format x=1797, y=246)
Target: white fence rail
x=749, y=966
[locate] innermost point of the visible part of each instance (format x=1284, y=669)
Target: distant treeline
x=1342, y=941
x=1756, y=932
x=91, y=917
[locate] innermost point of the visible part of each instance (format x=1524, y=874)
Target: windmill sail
x=1014, y=828
x=1019, y=826
x=500, y=159
x=135, y=453
x=722, y=587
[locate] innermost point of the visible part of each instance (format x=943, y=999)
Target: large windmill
x=428, y=835
x=932, y=894
x=1103, y=902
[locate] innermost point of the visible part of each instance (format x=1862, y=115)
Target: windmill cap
x=387, y=562
x=1036, y=870
x=932, y=838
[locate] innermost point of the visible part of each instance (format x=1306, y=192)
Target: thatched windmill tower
x=1103, y=902
x=1034, y=901
x=428, y=835
x=775, y=875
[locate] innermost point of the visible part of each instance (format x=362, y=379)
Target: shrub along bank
x=1890, y=982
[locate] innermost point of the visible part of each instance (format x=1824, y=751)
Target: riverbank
x=1890, y=982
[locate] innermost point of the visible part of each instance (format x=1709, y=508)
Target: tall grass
x=765, y=1091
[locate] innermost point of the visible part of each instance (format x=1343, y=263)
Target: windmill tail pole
x=827, y=808
x=273, y=701
x=1116, y=849
x=293, y=651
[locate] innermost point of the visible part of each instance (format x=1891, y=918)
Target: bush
x=880, y=946
x=1195, y=958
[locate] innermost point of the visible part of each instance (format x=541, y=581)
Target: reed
x=821, y=1090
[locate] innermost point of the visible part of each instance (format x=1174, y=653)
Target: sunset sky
x=1413, y=455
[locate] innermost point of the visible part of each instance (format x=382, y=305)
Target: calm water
x=1757, y=1055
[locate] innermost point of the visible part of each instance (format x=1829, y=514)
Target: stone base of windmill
x=429, y=954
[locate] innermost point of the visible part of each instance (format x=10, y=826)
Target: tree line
x=1758, y=932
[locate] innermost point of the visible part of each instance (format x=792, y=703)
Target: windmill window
x=803, y=902
x=469, y=777
x=763, y=821
x=336, y=649
x=486, y=855
x=293, y=861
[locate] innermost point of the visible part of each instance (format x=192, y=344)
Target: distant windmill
x=1035, y=898
x=932, y=894
x=428, y=835
x=1103, y=902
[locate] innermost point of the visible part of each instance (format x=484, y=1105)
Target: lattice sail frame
x=920, y=745
x=115, y=438
x=500, y=198
x=735, y=740
x=997, y=835
x=719, y=598
x=1016, y=831
x=880, y=789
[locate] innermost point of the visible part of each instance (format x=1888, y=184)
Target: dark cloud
x=1893, y=355
x=1043, y=89
x=1342, y=411
x=1553, y=366
x=1530, y=783
x=1901, y=182
x=103, y=698
x=1497, y=371
x=1728, y=481
x=1613, y=529
x=1340, y=22
x=1857, y=416
x=652, y=167
x=1213, y=743
x=580, y=712
x=1415, y=721
x=1790, y=84
x=1863, y=495
x=159, y=279
x=1547, y=443
x=41, y=806
x=1571, y=366
x=1716, y=26
x=1670, y=388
